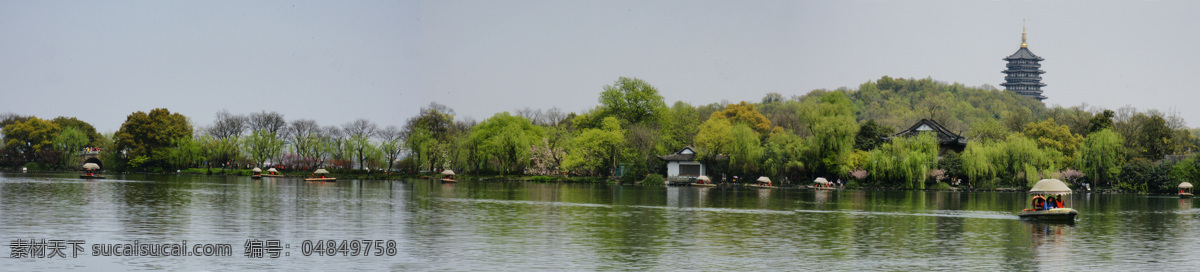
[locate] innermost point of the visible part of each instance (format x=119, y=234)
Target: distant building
x=1024, y=74
x=683, y=164
x=947, y=140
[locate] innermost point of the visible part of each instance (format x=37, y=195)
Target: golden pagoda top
x=1023, y=45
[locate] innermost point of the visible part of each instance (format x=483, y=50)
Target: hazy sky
x=336, y=61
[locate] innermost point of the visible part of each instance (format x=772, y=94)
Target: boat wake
x=940, y=213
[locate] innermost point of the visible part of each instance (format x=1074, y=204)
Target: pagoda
x=1024, y=75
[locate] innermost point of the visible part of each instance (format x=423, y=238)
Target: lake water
x=534, y=226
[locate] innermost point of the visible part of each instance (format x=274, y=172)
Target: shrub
x=652, y=179
x=940, y=186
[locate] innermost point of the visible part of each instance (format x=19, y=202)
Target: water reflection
x=475, y=225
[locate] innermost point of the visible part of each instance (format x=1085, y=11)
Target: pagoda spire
x=1023, y=45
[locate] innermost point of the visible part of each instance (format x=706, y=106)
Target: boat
x=703, y=181
x=90, y=171
x=257, y=173
x=822, y=184
x=448, y=176
x=1052, y=191
x=762, y=183
x=271, y=172
x=1185, y=190
x=322, y=172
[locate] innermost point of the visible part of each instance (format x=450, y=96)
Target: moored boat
x=703, y=181
x=1048, y=204
x=90, y=171
x=448, y=176
x=320, y=175
x=822, y=184
x=1185, y=190
x=256, y=173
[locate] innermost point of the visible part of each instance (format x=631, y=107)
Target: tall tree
x=272, y=122
x=632, y=100
x=834, y=128
x=30, y=137
x=391, y=144
x=228, y=125
x=359, y=134
x=150, y=135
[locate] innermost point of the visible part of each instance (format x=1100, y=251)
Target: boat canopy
x=821, y=181
x=448, y=172
x=321, y=171
x=1050, y=187
x=703, y=178
x=763, y=179
x=94, y=166
x=1185, y=185
x=256, y=170
x=272, y=169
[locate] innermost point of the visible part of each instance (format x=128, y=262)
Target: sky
x=338, y=61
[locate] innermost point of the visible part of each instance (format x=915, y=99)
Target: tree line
x=1013, y=140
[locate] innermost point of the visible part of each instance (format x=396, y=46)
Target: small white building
x=683, y=164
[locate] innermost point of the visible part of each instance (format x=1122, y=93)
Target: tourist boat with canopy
x=89, y=171
x=271, y=172
x=256, y=173
x=703, y=181
x=1048, y=204
x=822, y=184
x=448, y=176
x=1185, y=190
x=762, y=183
x=320, y=175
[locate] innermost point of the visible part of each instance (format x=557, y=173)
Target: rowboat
x=1185, y=190
x=257, y=173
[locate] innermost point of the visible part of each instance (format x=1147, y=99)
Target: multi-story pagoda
x=1024, y=75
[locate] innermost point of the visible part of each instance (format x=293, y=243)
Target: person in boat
x=1059, y=201
x=1038, y=203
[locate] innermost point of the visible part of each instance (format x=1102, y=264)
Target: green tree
x=262, y=145
x=632, y=100
x=72, y=122
x=595, y=147
x=744, y=113
x=904, y=162
x=151, y=135
x=745, y=151
x=186, y=152
x=713, y=141
x=1101, y=121
x=782, y=154
x=506, y=140
x=69, y=142
x=833, y=127
x=1048, y=134
x=870, y=135
x=30, y=137
x=1156, y=138
x=1102, y=155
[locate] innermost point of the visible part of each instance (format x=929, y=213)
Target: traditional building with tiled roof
x=1024, y=74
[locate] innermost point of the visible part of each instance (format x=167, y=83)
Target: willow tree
x=904, y=162
x=1102, y=155
x=745, y=150
x=506, y=140
x=833, y=127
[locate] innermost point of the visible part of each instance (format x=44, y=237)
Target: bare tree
x=553, y=116
x=302, y=133
x=270, y=121
x=227, y=125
